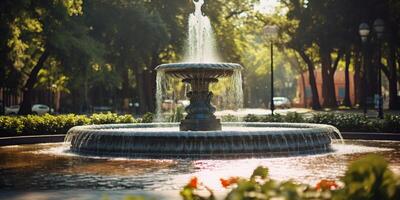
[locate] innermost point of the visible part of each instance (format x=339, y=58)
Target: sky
x=267, y=6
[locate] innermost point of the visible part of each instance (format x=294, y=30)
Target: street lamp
x=379, y=26
x=271, y=32
x=364, y=30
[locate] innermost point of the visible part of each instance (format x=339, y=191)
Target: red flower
x=193, y=183
x=326, y=185
x=227, y=182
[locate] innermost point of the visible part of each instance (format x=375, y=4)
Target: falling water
x=235, y=139
x=237, y=88
x=201, y=41
x=160, y=82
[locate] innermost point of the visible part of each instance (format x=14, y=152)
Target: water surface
x=50, y=167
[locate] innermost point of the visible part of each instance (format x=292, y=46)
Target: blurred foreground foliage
x=368, y=178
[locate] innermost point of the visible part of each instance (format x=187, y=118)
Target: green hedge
x=347, y=122
x=60, y=124
x=55, y=124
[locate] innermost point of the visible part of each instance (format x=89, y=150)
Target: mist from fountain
x=201, y=48
x=201, y=45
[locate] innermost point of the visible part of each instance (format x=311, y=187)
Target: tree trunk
x=328, y=83
x=26, y=104
x=393, y=99
x=140, y=87
x=357, y=79
x=303, y=83
x=315, y=98
x=347, y=101
x=151, y=81
x=125, y=89
x=149, y=84
x=296, y=65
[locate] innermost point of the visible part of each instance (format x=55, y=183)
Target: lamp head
x=379, y=26
x=364, y=30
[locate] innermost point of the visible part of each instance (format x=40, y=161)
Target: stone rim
x=199, y=70
x=197, y=66
x=201, y=144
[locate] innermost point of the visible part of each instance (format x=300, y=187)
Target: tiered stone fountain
x=201, y=134
x=200, y=112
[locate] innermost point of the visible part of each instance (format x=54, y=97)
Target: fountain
x=201, y=134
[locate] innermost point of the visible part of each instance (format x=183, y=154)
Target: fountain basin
x=164, y=140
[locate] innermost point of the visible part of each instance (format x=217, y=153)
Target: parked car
x=281, y=102
x=102, y=109
x=183, y=103
x=38, y=109
x=168, y=104
x=11, y=110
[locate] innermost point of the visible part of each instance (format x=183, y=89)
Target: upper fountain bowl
x=199, y=70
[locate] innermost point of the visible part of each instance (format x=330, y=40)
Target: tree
x=48, y=20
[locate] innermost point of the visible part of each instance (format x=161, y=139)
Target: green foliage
x=252, y=118
x=368, y=178
x=230, y=118
x=391, y=123
x=294, y=117
x=177, y=114
x=349, y=122
x=60, y=124
x=110, y=118
x=147, y=118
x=55, y=124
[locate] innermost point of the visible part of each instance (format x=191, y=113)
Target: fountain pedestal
x=200, y=112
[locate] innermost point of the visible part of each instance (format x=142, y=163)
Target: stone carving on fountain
x=200, y=112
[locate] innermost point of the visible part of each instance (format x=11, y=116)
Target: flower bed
x=368, y=178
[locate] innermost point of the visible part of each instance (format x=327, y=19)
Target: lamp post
x=271, y=32
x=379, y=27
x=364, y=30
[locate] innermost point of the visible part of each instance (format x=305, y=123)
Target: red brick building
x=303, y=92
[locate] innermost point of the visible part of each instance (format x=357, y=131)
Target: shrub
x=10, y=125
x=177, y=114
x=101, y=118
x=230, y=118
x=343, y=121
x=348, y=122
x=294, y=117
x=147, y=118
x=391, y=123
x=54, y=124
x=252, y=118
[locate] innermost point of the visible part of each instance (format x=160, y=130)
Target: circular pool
x=164, y=140
x=52, y=170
